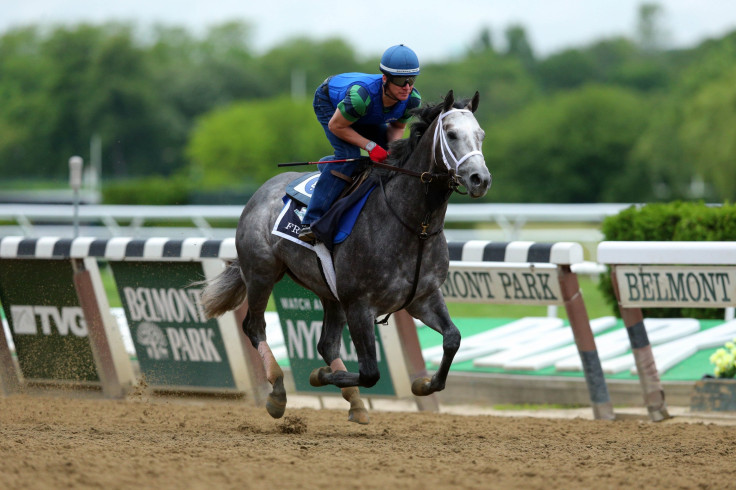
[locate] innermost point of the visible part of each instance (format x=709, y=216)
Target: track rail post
x=585, y=341
x=645, y=364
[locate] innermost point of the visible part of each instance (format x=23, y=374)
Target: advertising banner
x=175, y=345
x=300, y=313
x=46, y=320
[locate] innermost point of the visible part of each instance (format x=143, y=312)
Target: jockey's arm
x=395, y=131
x=341, y=128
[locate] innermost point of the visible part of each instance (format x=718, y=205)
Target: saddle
x=337, y=223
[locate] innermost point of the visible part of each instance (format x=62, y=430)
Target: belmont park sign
x=532, y=284
x=704, y=287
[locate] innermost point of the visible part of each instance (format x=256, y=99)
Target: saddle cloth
x=332, y=228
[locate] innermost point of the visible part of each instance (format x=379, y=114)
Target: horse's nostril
x=476, y=180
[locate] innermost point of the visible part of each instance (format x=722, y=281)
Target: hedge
x=676, y=221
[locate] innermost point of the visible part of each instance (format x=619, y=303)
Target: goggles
x=402, y=81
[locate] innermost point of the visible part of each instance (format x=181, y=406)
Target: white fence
x=498, y=222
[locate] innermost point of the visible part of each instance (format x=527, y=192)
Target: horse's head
x=457, y=146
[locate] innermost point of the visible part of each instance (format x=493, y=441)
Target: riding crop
x=344, y=160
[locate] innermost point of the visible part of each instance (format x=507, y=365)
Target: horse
x=395, y=258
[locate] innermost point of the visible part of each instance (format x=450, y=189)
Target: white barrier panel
x=514, y=272
x=665, y=274
x=526, y=273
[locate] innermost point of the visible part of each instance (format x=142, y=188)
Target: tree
x=243, y=143
x=650, y=34
x=313, y=60
x=708, y=134
x=568, y=69
x=25, y=111
x=573, y=147
x=680, y=122
x=483, y=42
x=504, y=85
x=518, y=46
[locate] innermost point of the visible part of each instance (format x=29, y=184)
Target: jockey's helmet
x=399, y=61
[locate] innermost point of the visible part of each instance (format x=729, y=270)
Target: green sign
x=46, y=320
x=175, y=345
x=300, y=313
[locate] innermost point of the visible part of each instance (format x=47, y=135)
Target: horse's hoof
x=359, y=416
x=420, y=387
x=276, y=405
x=314, y=377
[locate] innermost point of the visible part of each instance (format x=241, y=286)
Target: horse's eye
x=452, y=135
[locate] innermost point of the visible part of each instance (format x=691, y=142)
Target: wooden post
x=101, y=350
x=585, y=341
x=9, y=382
x=643, y=356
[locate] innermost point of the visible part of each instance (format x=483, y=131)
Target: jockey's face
x=400, y=93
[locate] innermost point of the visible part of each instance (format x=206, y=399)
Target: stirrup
x=306, y=234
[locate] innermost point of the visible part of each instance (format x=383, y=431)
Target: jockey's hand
x=378, y=154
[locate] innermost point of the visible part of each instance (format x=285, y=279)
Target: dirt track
x=60, y=441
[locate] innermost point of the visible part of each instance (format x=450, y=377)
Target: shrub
x=676, y=221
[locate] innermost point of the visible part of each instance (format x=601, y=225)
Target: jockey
x=359, y=110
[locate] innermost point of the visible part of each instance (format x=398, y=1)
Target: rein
x=425, y=177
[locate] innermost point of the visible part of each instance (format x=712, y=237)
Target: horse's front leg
x=329, y=348
x=432, y=310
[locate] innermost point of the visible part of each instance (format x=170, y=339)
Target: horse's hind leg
x=276, y=400
x=329, y=348
x=254, y=326
x=433, y=312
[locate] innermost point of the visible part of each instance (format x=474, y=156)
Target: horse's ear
x=473, y=105
x=449, y=101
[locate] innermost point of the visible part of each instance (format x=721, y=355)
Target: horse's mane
x=423, y=119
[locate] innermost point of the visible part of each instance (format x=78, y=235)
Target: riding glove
x=376, y=153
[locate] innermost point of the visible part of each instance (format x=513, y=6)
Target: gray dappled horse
x=396, y=256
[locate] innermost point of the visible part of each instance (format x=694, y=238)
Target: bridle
x=440, y=136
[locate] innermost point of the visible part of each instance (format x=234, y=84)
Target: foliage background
x=206, y=117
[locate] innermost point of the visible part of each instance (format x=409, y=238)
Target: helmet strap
x=386, y=91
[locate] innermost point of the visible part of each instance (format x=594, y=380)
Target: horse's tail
x=225, y=292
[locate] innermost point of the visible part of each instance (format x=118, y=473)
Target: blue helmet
x=399, y=61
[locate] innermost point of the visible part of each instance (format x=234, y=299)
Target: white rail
x=35, y=220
